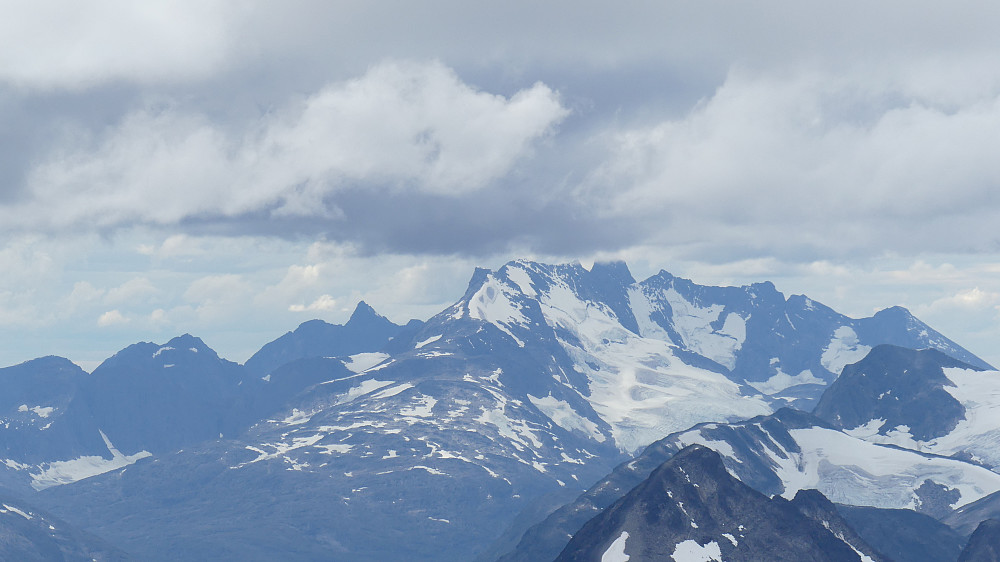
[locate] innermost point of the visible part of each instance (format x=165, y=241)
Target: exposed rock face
x=984, y=545
x=692, y=505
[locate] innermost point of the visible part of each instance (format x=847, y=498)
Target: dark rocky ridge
x=692, y=501
x=899, y=385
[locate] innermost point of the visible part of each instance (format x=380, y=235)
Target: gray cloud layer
x=758, y=137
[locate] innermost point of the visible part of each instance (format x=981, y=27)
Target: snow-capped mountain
x=780, y=455
x=691, y=508
x=534, y=384
x=147, y=399
x=661, y=355
x=920, y=400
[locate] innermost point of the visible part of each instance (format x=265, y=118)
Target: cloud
x=137, y=289
x=111, y=318
x=322, y=304
x=66, y=44
x=401, y=127
x=217, y=298
x=968, y=300
x=789, y=165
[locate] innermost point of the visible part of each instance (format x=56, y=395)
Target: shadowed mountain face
x=901, y=387
x=984, y=545
x=692, y=506
x=29, y=534
x=782, y=454
x=968, y=517
x=902, y=534
x=921, y=400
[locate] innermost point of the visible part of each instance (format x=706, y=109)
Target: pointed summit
x=366, y=331
x=190, y=344
x=692, y=505
x=363, y=310
x=364, y=316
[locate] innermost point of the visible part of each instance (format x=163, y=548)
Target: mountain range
x=461, y=437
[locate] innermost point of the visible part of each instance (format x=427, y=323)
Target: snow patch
x=843, y=349
x=8, y=509
x=691, y=551
x=782, y=381
x=637, y=385
x=431, y=339
x=361, y=362
x=695, y=437
x=563, y=415
x=521, y=278
x=391, y=391
x=694, y=326
x=849, y=470
x=40, y=411
x=616, y=552
x=492, y=304
x=370, y=385
x=66, y=472
x=297, y=417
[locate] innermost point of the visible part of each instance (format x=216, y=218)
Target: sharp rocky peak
x=364, y=313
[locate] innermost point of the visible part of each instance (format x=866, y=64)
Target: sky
x=232, y=169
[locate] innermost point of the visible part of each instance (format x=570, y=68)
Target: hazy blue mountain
x=691, y=508
x=33, y=396
x=148, y=399
x=365, y=332
x=538, y=381
x=160, y=398
x=44, y=436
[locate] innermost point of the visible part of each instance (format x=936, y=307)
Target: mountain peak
x=617, y=270
x=897, y=386
x=692, y=505
x=365, y=315
x=479, y=277
x=894, y=312
x=187, y=342
x=363, y=309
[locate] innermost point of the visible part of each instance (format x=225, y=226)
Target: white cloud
x=322, y=304
x=784, y=163
x=219, y=298
x=967, y=300
x=174, y=246
x=137, y=289
x=111, y=318
x=401, y=126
